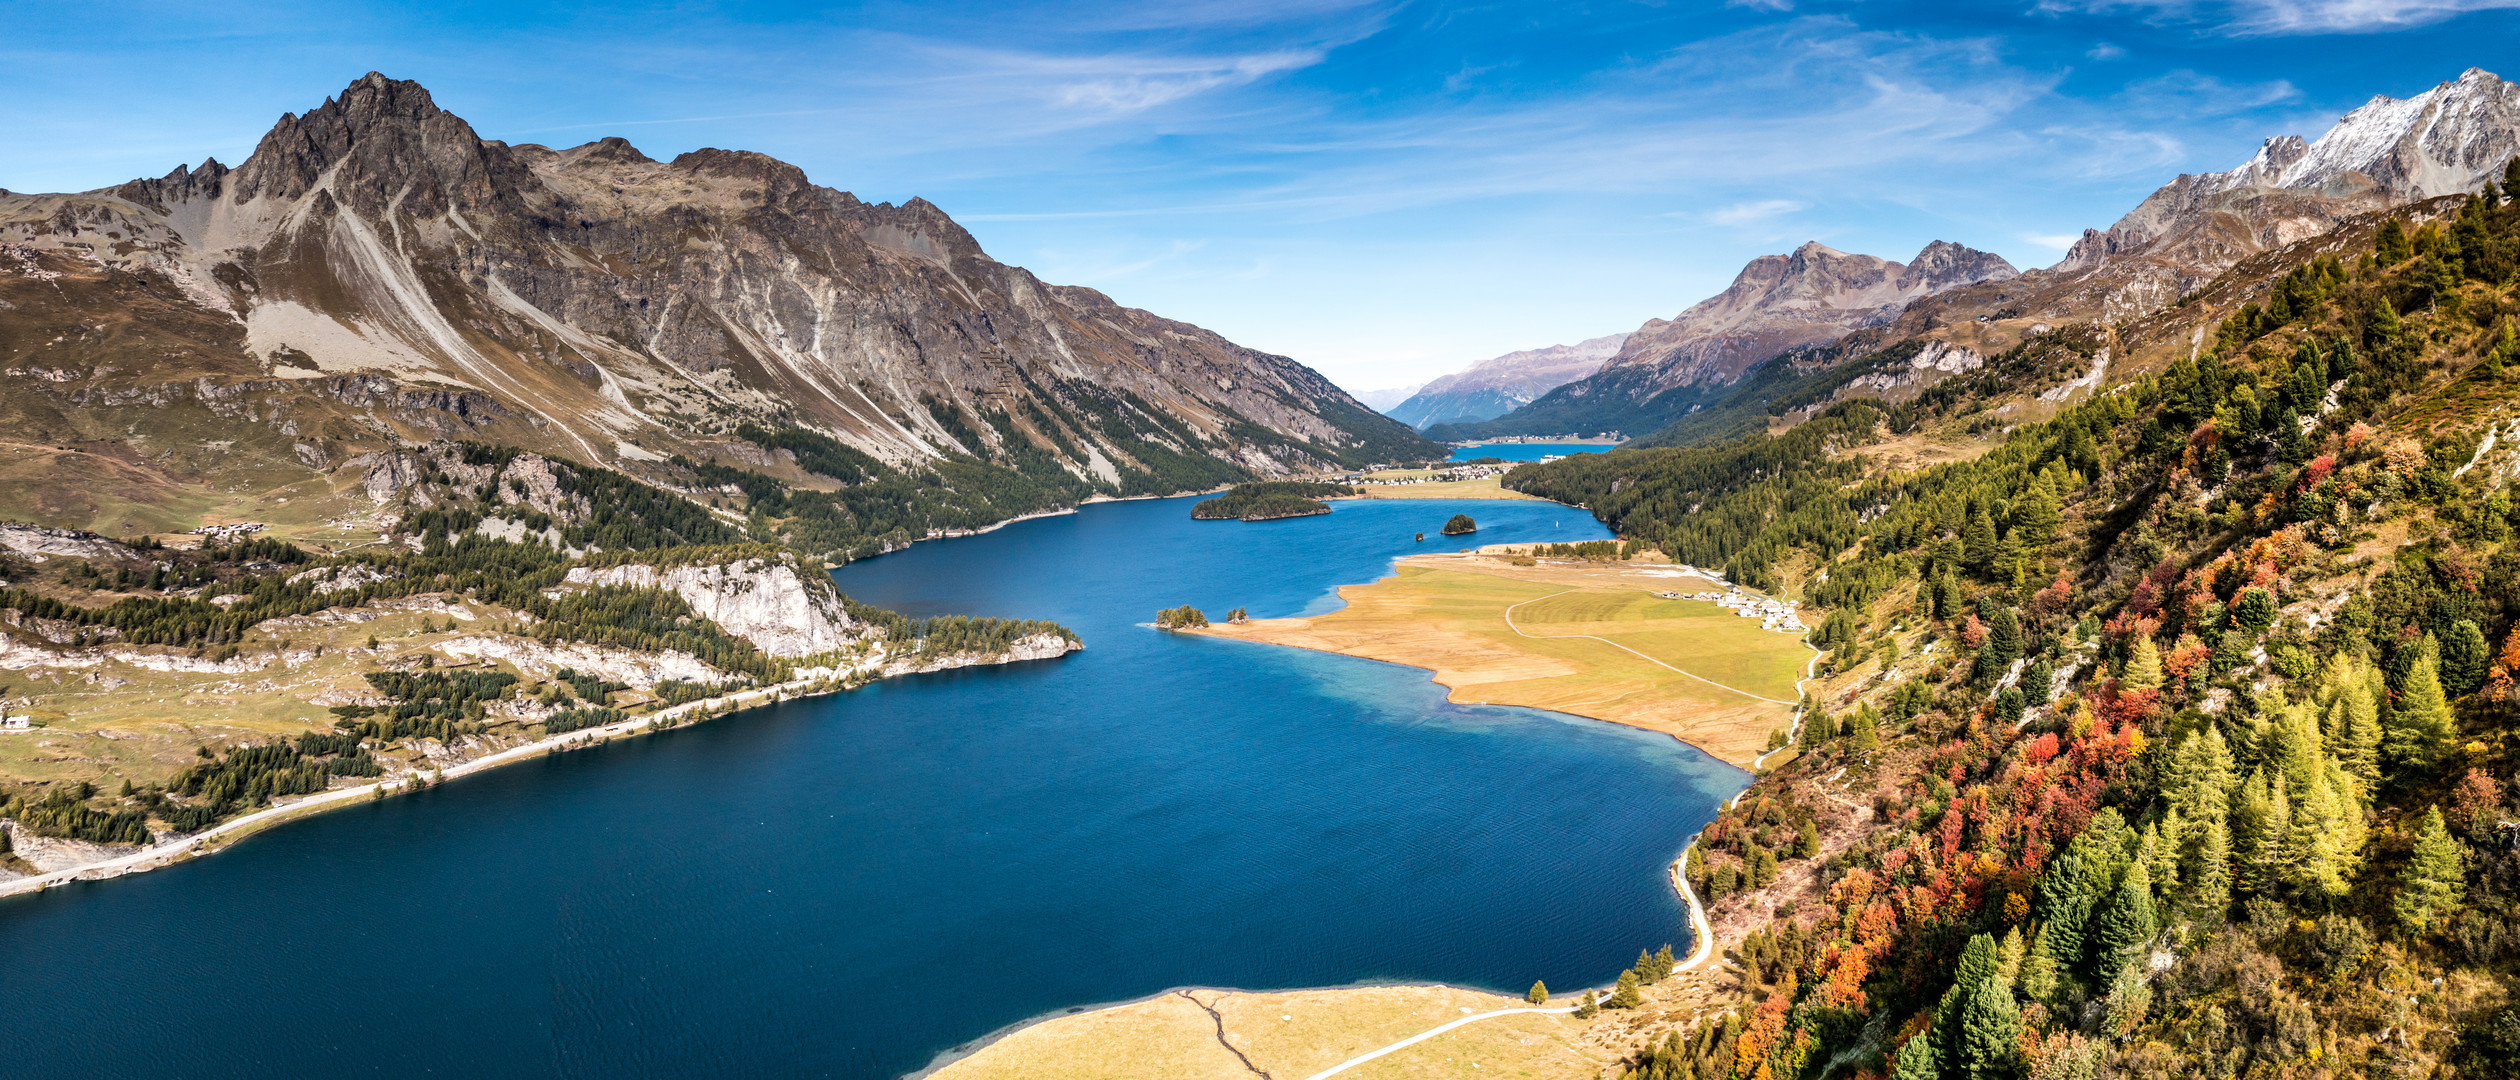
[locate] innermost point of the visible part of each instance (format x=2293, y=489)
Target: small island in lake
x=1269, y=500
x=1460, y=525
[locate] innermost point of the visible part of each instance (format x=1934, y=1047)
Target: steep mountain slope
x=1778, y=302
x=2165, y=730
x=1494, y=387
x=376, y=271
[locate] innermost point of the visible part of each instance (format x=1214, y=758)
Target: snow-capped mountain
x=2445, y=141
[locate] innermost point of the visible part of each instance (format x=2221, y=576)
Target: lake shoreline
x=823, y=683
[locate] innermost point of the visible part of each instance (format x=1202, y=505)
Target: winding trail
x=1430, y=1033
x=1699, y=925
x=1509, y=624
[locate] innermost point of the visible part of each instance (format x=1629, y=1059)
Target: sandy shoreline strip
x=218, y=837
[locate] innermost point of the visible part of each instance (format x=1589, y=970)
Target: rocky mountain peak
x=381, y=141
x=1945, y=265
x=2390, y=151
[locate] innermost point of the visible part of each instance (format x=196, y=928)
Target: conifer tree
x=1990, y=1034
x=2253, y=610
x=2065, y=904
x=2009, y=955
x=2420, y=725
x=2350, y=691
x=1538, y=994
x=2199, y=780
x=1665, y=963
x=2210, y=884
x=2264, y=818
x=1978, y=964
x=1626, y=995
x=2161, y=852
x=2435, y=882
x=2391, y=246
x=1867, y=732
x=2038, y=681
x=2143, y=665
x=2464, y=655
x=1917, y=1059
x=2128, y=926
x=2039, y=968
x=1979, y=542
x=2037, y=516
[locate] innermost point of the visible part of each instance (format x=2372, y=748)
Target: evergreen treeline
x=1268, y=499
x=2198, y=780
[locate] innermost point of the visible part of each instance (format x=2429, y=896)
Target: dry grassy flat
x=1483, y=488
x=1289, y=1035
x=1447, y=614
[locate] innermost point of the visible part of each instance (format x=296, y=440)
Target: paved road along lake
x=848, y=886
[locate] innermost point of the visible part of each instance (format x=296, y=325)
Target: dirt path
x=1509, y=624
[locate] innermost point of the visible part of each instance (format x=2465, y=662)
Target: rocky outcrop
x=1494, y=387
x=39, y=542
x=769, y=601
x=1036, y=647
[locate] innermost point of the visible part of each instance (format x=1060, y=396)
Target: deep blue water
x=1527, y=451
x=849, y=885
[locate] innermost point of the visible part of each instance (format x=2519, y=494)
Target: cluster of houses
x=229, y=532
x=1777, y=615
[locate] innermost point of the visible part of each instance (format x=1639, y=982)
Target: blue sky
x=1384, y=190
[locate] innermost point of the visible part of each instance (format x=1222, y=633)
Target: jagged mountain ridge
x=2447, y=140
x=597, y=303
x=1777, y=303
x=1499, y=385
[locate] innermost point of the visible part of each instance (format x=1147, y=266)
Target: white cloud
x=2352, y=16
x=2105, y=51
x=2058, y=243
x=1751, y=213
x=2291, y=17
x=1133, y=84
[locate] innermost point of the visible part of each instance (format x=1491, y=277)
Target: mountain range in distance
x=2390, y=152
x=1496, y=386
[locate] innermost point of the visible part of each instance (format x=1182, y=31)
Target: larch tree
x=2210, y=883
x=2143, y=665
x=1538, y=994
x=2435, y=882
x=2415, y=732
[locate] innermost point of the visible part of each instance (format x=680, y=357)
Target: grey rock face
x=1782, y=302
x=595, y=302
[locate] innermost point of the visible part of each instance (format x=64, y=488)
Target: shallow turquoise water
x=849, y=886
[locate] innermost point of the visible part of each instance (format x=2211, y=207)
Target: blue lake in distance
x=1527, y=451
x=848, y=886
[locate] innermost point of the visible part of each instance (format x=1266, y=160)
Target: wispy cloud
x=1751, y=213
x=2287, y=17
x=2053, y=242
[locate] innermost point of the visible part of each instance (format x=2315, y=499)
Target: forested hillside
x=2172, y=735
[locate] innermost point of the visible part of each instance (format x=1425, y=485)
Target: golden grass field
x=1485, y=488
x=1291, y=1035
x=1446, y=613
